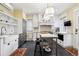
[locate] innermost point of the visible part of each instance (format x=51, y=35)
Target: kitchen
x=23, y=25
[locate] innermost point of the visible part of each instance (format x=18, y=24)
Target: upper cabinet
x=9, y=23
x=35, y=21
x=5, y=18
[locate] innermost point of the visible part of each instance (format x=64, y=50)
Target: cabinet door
x=15, y=44
x=1, y=46
x=67, y=40
x=75, y=41
x=7, y=48
x=10, y=47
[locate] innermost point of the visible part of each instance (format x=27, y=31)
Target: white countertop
x=62, y=32
x=1, y=36
x=48, y=35
x=8, y=38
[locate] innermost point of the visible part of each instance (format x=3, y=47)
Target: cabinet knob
x=8, y=43
x=6, y=21
x=15, y=40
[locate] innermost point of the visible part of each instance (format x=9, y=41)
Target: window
x=29, y=25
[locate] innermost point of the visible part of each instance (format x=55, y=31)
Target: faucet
x=2, y=30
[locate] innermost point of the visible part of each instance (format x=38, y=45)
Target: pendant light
x=49, y=12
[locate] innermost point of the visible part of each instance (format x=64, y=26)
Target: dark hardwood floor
x=31, y=45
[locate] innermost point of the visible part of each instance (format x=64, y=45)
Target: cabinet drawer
x=10, y=47
x=16, y=44
x=9, y=39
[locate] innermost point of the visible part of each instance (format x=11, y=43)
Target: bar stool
x=37, y=44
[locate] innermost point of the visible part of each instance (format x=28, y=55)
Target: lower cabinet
x=67, y=41
x=8, y=47
x=15, y=46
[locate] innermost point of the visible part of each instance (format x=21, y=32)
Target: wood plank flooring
x=72, y=51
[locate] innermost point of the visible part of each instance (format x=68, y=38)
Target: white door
x=76, y=38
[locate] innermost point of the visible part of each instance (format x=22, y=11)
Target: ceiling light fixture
x=49, y=12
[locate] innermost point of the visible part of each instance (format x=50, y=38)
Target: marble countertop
x=48, y=35
x=64, y=33
x=1, y=36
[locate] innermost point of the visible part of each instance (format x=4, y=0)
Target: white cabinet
x=9, y=23
x=1, y=48
x=7, y=46
x=8, y=40
x=76, y=41
x=67, y=40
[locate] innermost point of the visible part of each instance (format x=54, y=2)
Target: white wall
x=19, y=26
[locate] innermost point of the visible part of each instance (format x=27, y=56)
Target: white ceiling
x=31, y=8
